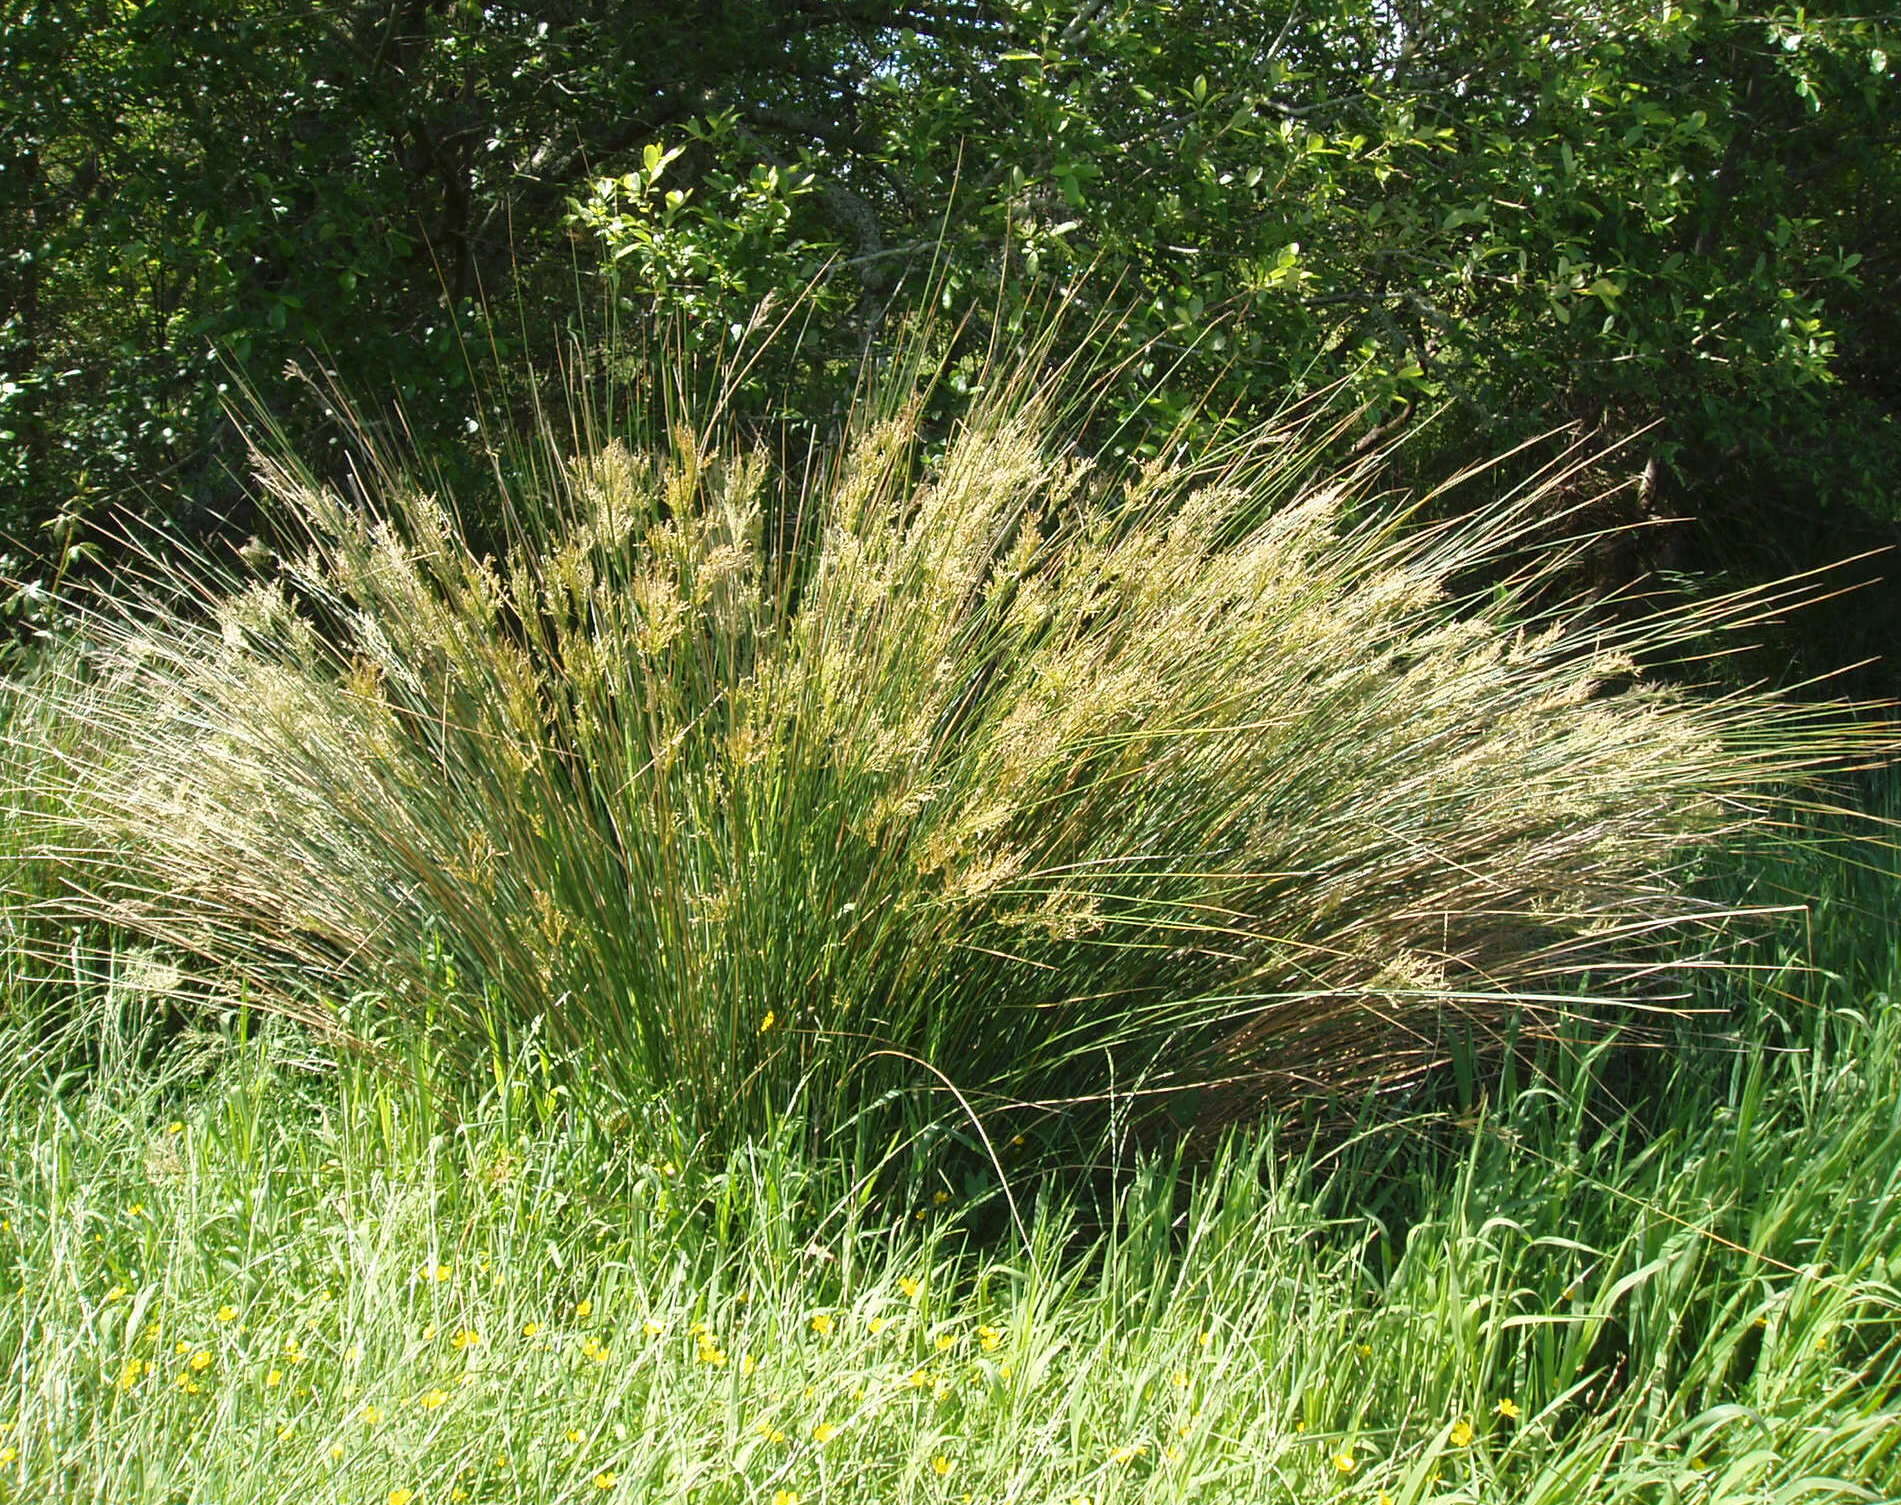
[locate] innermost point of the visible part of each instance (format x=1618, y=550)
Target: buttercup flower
x=1462, y=1434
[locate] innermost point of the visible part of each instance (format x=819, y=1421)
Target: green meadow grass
x=237, y=1267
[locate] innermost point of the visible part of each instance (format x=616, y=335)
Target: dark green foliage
x=1614, y=214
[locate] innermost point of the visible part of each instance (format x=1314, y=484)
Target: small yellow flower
x=990, y=1338
x=286, y=1432
x=372, y=1416
x=136, y=1210
x=878, y=1325
x=467, y=1338
x=944, y=1342
x=529, y=1329
x=605, y=1480
x=822, y=1324
x=1462, y=1434
x=1017, y=1141
x=336, y=1451
x=910, y=1287
x=401, y=1496
x=918, y=1379
x=1205, y=1340
x=1364, y=1350
x=436, y=1271
x=274, y=1379
x=785, y=1497
x=939, y=1197
x=117, y=1293
x=458, y=1494
x=353, y=1353
x=8, y=1454
x=429, y=1400
x=227, y=1313
x=181, y=1346
x=1179, y=1379
x=201, y=1361
x=1128, y=1454
x=1344, y=1462
x=940, y=1465
x=1508, y=1408
x=824, y=1432
x=501, y=1460
x=712, y=1353
x=747, y=1363
x=132, y=1373
x=584, y=1309
x=768, y=1022
x=593, y=1348
x=174, y=1127
x=652, y=1328
x=576, y=1435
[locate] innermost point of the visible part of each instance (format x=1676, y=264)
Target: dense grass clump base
x=962, y=776
x=272, y=1286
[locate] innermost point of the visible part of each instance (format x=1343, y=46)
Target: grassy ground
x=236, y=1269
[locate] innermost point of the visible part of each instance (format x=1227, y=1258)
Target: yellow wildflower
x=1128, y=1454
x=824, y=1432
x=274, y=1379
x=584, y=1309
x=372, y=1416
x=1462, y=1434
x=467, y=1338
x=785, y=1497
x=401, y=1496
x=940, y=1465
x=605, y=1480
x=768, y=1022
x=822, y=1324
x=945, y=1342
x=174, y=1127
x=878, y=1325
x=991, y=1338
x=429, y=1400
x=1344, y=1461
x=529, y=1329
x=227, y=1313
x=117, y=1293
x=652, y=1328
x=201, y=1361
x=1508, y=1408
x=132, y=1373
x=910, y=1287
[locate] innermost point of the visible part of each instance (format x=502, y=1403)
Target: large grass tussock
x=986, y=769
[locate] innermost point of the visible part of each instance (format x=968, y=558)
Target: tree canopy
x=1522, y=212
